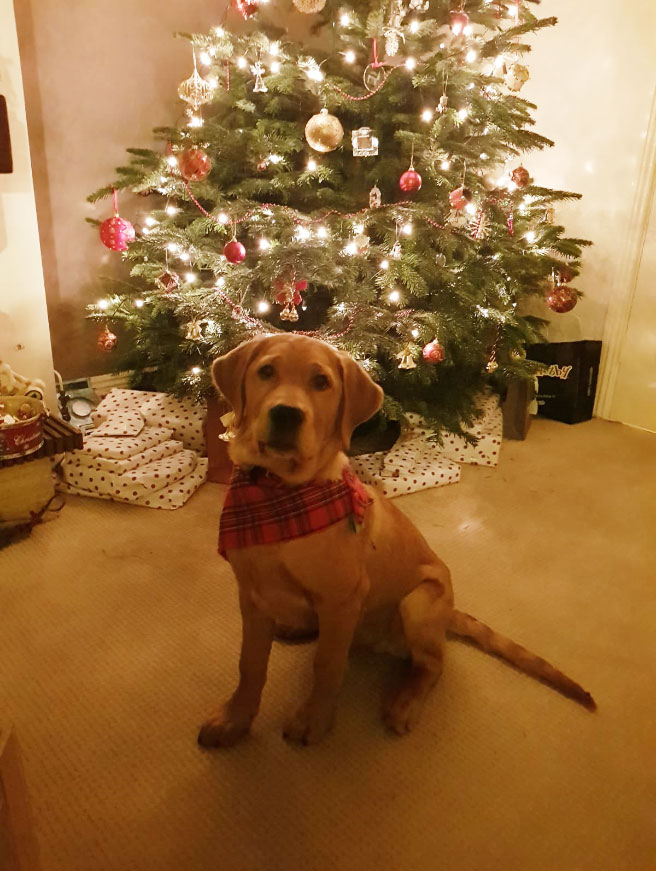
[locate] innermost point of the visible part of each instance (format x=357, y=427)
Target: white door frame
x=624, y=286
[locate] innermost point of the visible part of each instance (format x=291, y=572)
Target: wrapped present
x=488, y=430
x=182, y=416
x=157, y=452
x=170, y=497
x=118, y=447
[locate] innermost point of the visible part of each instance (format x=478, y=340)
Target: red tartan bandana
x=261, y=509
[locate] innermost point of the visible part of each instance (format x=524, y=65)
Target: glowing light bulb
x=145, y=230
x=427, y=115
x=263, y=306
x=222, y=218
x=218, y=31
x=358, y=229
x=530, y=236
x=138, y=303
x=241, y=63
x=471, y=55
x=190, y=277
x=446, y=164
x=414, y=25
x=351, y=248
x=468, y=30
x=410, y=64
x=462, y=113
x=322, y=233
x=483, y=155
x=349, y=56
x=184, y=256
x=303, y=234
x=172, y=160
x=511, y=186
x=264, y=244
x=173, y=247
x=151, y=221
x=345, y=19
x=103, y=304
x=274, y=158
x=311, y=165
x=406, y=229
x=220, y=282
x=196, y=121
x=414, y=334
x=274, y=49
x=470, y=86
x=394, y=296
x=172, y=210
x=470, y=208
x=196, y=370
x=384, y=264
x=204, y=58
x=275, y=66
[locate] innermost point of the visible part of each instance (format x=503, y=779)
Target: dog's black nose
x=286, y=417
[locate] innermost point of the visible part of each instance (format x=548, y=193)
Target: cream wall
x=24, y=335
x=591, y=77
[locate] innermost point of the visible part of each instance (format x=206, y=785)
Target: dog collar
x=260, y=508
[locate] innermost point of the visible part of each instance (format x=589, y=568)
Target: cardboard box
x=568, y=381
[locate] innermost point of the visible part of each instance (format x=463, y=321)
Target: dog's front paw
x=308, y=725
x=224, y=728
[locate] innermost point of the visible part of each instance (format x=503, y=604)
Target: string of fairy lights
x=324, y=132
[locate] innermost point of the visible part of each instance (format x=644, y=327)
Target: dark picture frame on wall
x=6, y=163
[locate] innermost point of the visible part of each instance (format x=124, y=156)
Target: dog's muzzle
x=284, y=424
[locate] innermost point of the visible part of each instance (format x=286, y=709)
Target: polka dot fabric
x=79, y=458
x=168, y=498
x=122, y=422
x=119, y=447
x=416, y=463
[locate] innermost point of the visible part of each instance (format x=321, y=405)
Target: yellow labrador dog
x=296, y=402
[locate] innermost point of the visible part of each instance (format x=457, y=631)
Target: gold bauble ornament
x=324, y=132
x=309, y=7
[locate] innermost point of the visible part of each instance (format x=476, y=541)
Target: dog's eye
x=320, y=382
x=265, y=372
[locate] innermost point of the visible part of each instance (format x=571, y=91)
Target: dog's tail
x=491, y=642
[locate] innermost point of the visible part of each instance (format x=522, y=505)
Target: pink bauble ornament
x=410, y=180
x=433, y=352
x=116, y=233
x=107, y=340
x=458, y=21
x=562, y=298
x=194, y=164
x=460, y=197
x=234, y=252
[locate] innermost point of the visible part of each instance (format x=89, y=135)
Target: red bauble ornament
x=460, y=197
x=562, y=298
x=116, y=233
x=410, y=180
x=520, y=176
x=194, y=164
x=458, y=21
x=246, y=8
x=433, y=352
x=106, y=340
x=234, y=252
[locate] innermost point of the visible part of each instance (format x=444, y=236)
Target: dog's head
x=296, y=402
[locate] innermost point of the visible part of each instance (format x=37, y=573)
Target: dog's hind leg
x=425, y=615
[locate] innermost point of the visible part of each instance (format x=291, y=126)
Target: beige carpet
x=119, y=628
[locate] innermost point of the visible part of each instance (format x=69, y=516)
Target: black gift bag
x=568, y=381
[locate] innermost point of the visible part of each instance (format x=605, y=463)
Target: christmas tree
x=362, y=185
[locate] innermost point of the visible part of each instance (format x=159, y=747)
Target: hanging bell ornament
x=458, y=20
x=309, y=7
x=193, y=331
x=410, y=180
x=289, y=313
x=407, y=358
x=443, y=104
x=364, y=143
x=195, y=90
x=433, y=352
x=516, y=77
x=107, y=340
x=258, y=69
x=460, y=197
x=375, y=197
x=520, y=176
x=324, y=131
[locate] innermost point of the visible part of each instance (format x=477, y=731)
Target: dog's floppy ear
x=228, y=375
x=361, y=397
